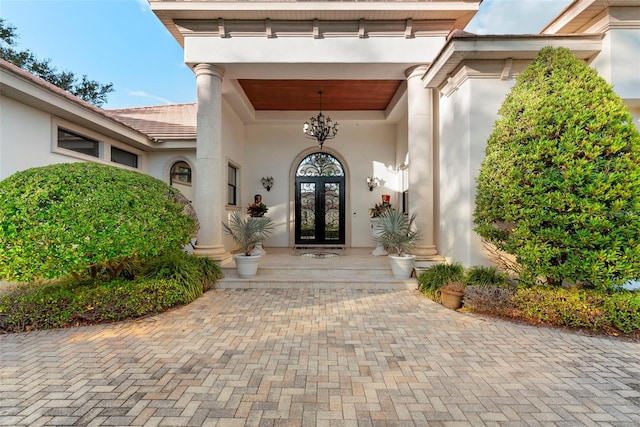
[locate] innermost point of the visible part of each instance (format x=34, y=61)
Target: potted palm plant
x=246, y=232
x=398, y=234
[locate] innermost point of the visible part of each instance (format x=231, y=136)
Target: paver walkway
x=317, y=358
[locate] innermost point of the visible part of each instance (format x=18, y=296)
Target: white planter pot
x=402, y=266
x=379, y=250
x=247, y=266
x=258, y=249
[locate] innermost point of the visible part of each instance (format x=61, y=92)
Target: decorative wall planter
x=379, y=250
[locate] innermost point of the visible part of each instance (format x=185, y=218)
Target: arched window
x=180, y=178
x=180, y=173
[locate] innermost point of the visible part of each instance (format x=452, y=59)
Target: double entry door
x=320, y=201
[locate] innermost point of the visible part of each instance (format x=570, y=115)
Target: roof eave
x=28, y=89
x=168, y=11
x=502, y=47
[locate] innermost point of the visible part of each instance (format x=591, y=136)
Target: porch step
x=324, y=268
x=310, y=278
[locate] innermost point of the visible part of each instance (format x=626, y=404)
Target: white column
x=210, y=170
x=421, y=166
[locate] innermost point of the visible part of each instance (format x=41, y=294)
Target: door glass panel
x=307, y=211
x=331, y=211
x=320, y=164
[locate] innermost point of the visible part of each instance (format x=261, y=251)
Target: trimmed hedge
x=170, y=280
x=579, y=308
x=36, y=306
x=559, y=187
x=71, y=218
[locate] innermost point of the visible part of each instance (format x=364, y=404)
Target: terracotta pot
x=451, y=299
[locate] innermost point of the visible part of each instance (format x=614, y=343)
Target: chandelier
x=320, y=128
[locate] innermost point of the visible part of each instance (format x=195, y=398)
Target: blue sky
x=122, y=41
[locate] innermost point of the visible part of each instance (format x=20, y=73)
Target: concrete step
x=290, y=278
x=320, y=272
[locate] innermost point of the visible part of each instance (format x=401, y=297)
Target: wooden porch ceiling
x=337, y=95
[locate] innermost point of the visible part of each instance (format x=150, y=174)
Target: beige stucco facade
x=429, y=141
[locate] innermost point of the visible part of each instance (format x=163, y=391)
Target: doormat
x=320, y=255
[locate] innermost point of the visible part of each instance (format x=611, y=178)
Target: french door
x=320, y=201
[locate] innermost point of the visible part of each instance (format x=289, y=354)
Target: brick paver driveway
x=317, y=357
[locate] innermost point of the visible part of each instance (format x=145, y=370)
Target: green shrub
x=623, y=311
x=559, y=187
x=579, y=308
x=210, y=271
x=174, y=278
x=73, y=217
x=37, y=306
x=433, y=278
x=197, y=275
x=485, y=276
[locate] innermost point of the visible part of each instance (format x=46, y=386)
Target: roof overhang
x=458, y=50
x=169, y=11
x=27, y=89
x=577, y=17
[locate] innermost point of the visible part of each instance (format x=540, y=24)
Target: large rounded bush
x=560, y=185
x=67, y=218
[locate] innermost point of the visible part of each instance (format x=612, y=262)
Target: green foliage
x=257, y=210
x=195, y=274
x=175, y=278
x=379, y=208
x=73, y=217
x=87, y=90
x=396, y=232
x=435, y=277
x=560, y=185
x=36, y=306
x=248, y=231
x=485, y=276
x=580, y=308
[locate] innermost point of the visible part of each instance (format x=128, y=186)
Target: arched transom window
x=320, y=164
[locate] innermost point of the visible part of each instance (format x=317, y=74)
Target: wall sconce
x=372, y=182
x=267, y=182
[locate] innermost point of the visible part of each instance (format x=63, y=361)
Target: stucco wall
x=28, y=138
x=25, y=138
x=367, y=150
x=466, y=121
x=619, y=62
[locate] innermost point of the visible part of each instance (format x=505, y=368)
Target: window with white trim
x=124, y=157
x=232, y=185
x=78, y=143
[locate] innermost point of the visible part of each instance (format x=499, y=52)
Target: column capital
x=209, y=69
x=415, y=71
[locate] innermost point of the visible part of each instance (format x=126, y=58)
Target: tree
x=559, y=187
x=71, y=218
x=88, y=90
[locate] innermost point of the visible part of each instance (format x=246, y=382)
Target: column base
x=216, y=253
x=424, y=252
